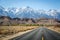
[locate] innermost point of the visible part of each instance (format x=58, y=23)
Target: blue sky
x=38, y=4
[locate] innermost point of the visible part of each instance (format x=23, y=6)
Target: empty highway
x=38, y=33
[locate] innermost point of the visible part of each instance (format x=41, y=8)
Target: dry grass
x=12, y=30
x=54, y=28
x=6, y=30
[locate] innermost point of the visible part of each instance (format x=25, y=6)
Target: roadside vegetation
x=10, y=30
x=13, y=29
x=55, y=28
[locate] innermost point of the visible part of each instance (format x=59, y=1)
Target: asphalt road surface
x=38, y=33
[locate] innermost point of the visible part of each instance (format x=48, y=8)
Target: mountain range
x=28, y=12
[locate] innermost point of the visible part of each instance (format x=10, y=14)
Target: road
x=38, y=33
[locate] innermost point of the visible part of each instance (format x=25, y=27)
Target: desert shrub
x=57, y=25
x=8, y=30
x=29, y=24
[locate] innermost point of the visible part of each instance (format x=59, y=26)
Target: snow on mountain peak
x=29, y=12
x=52, y=12
x=1, y=8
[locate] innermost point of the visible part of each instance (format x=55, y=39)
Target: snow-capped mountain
x=28, y=12
x=53, y=13
x=2, y=11
x=11, y=12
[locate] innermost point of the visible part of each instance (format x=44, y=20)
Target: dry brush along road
x=39, y=34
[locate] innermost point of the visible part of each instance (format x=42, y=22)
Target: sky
x=36, y=4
